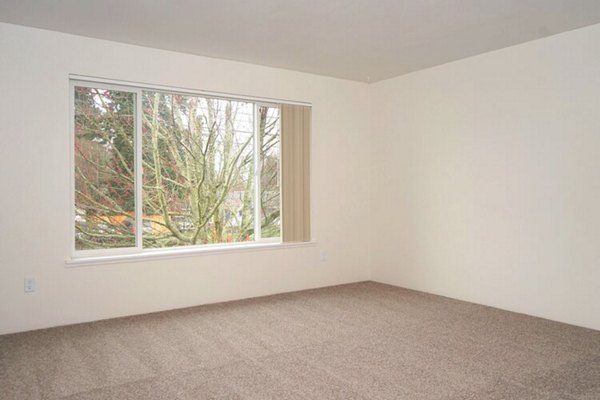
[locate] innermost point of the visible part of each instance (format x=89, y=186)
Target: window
x=160, y=169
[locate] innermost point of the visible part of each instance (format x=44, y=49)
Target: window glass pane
x=198, y=170
x=104, y=168
x=269, y=137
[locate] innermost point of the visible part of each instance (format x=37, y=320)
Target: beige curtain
x=295, y=171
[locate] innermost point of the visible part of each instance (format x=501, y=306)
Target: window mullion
x=139, y=172
x=257, y=166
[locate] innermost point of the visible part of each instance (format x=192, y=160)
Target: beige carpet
x=359, y=341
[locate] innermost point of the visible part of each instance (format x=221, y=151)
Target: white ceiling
x=353, y=39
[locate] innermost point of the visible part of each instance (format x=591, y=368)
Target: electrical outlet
x=29, y=285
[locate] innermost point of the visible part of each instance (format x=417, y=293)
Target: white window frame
x=138, y=252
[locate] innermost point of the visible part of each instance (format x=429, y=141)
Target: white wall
x=484, y=186
x=486, y=179
x=35, y=168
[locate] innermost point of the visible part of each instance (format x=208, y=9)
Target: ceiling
x=363, y=40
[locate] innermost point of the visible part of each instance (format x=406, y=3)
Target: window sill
x=151, y=255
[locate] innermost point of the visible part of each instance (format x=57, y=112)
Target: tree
x=198, y=163
x=104, y=174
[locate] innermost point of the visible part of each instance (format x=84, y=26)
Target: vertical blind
x=295, y=170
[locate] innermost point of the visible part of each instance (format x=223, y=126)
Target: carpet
x=359, y=341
